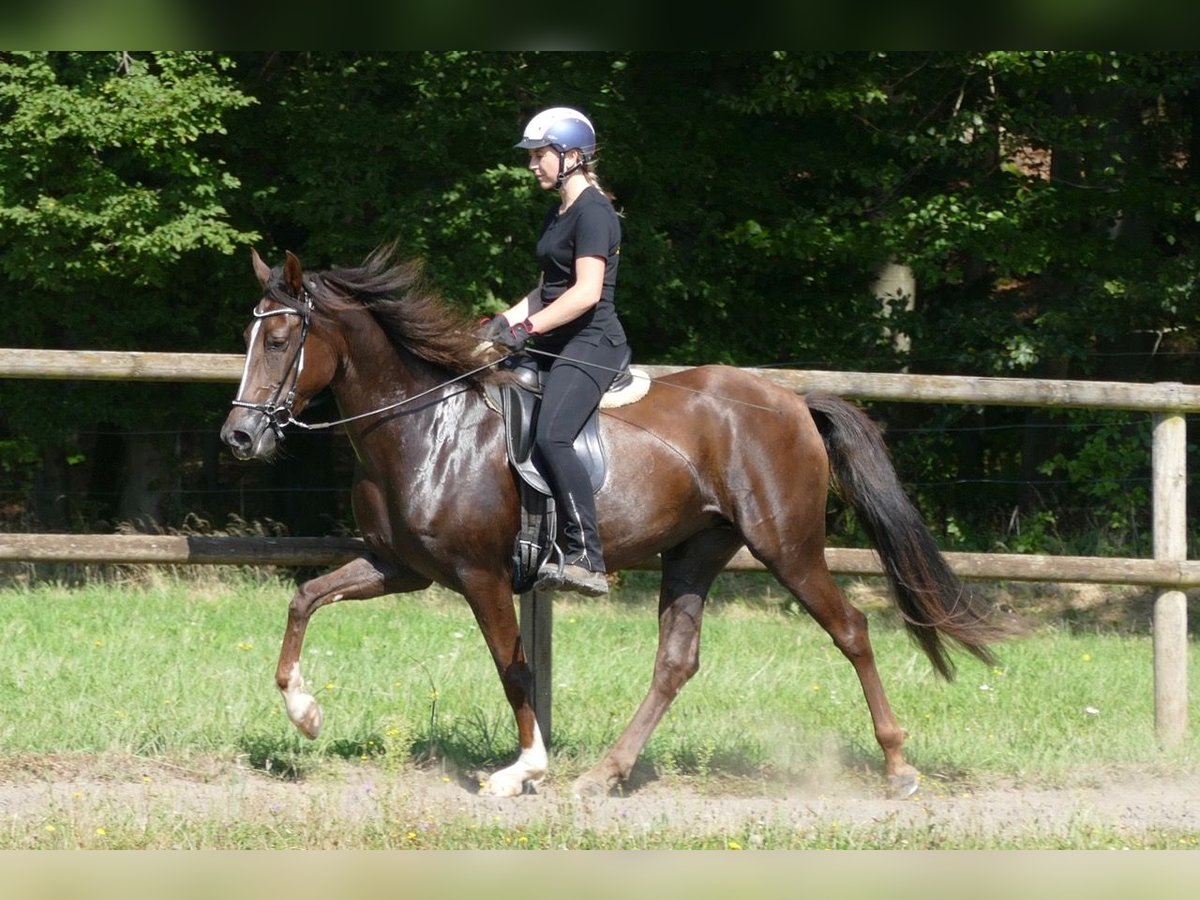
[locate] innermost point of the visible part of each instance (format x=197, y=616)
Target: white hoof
x=504, y=783
x=305, y=713
x=530, y=768
x=302, y=707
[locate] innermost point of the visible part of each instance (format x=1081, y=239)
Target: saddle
x=518, y=399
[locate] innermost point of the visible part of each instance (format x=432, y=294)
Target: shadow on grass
x=1075, y=608
x=462, y=756
x=284, y=758
x=289, y=757
x=846, y=770
x=1091, y=608
x=840, y=768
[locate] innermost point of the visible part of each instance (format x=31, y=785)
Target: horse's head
x=287, y=362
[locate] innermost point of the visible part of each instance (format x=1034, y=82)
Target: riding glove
x=511, y=337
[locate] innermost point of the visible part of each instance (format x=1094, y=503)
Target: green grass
x=561, y=833
x=174, y=671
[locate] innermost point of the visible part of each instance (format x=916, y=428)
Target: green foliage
x=112, y=186
x=1109, y=466
x=1046, y=202
x=411, y=147
x=108, y=176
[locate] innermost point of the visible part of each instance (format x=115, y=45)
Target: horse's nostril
x=238, y=439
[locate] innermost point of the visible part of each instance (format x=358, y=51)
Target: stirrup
x=549, y=574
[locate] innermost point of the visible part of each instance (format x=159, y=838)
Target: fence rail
x=108, y=365
x=1169, y=570
x=247, y=550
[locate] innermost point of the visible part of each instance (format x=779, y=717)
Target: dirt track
x=139, y=791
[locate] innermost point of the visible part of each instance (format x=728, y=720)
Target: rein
x=280, y=415
x=320, y=426
x=678, y=387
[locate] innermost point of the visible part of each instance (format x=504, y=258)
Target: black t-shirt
x=589, y=227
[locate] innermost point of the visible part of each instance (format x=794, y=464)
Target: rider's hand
x=516, y=337
x=511, y=337
x=490, y=329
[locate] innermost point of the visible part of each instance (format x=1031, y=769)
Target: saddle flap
x=519, y=406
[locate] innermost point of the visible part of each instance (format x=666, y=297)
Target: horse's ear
x=261, y=270
x=293, y=274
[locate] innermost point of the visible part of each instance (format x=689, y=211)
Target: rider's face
x=544, y=163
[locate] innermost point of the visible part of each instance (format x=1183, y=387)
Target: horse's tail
x=932, y=601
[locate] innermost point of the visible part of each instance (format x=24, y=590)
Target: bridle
x=280, y=415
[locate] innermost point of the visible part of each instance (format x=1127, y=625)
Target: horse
x=711, y=460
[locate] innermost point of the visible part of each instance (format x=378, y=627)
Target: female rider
x=578, y=340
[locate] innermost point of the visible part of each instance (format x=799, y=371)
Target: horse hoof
x=501, y=786
x=901, y=787
x=311, y=726
x=305, y=713
x=586, y=787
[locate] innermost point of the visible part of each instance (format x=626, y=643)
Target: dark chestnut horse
x=712, y=459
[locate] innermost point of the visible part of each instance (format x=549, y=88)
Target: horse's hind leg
x=688, y=573
x=359, y=579
x=810, y=581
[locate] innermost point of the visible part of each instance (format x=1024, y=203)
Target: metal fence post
x=537, y=638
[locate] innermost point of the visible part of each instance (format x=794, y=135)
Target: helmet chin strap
x=563, y=172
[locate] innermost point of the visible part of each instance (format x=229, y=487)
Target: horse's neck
x=376, y=376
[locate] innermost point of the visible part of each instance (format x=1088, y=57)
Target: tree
x=1044, y=204
x=111, y=187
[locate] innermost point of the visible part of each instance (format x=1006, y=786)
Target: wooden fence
x=1169, y=570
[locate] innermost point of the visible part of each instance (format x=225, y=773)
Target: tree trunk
x=50, y=491
x=145, y=480
x=895, y=288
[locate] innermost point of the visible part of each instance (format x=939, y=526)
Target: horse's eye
x=276, y=344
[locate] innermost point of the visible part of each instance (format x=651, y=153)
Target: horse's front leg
x=359, y=579
x=530, y=767
x=491, y=600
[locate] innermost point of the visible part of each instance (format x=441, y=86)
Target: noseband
x=280, y=414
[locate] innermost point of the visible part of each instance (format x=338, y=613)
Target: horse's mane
x=414, y=316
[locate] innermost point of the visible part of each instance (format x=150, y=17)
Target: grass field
x=179, y=674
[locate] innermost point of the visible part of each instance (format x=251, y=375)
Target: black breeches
x=571, y=392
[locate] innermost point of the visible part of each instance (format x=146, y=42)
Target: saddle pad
x=627, y=391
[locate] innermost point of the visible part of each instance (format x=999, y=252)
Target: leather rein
x=280, y=414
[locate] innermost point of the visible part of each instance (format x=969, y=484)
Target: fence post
x=536, y=639
x=1169, y=462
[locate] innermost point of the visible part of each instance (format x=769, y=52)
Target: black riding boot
x=581, y=568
